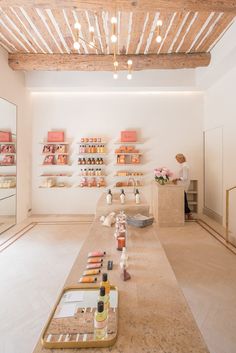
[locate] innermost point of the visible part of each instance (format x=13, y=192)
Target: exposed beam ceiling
x=129, y=5
x=75, y=62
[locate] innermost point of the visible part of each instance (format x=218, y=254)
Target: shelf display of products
x=8, y=160
x=55, y=153
x=130, y=183
x=90, y=161
x=92, y=146
x=7, y=182
x=7, y=149
x=125, y=173
x=92, y=182
x=128, y=154
x=92, y=149
x=91, y=172
x=59, y=159
x=91, y=140
x=52, y=183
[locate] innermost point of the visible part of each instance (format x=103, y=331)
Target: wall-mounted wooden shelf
x=127, y=164
x=54, y=187
x=128, y=143
x=8, y=154
x=7, y=143
x=91, y=143
x=128, y=154
x=54, y=143
x=91, y=154
x=55, y=154
x=55, y=176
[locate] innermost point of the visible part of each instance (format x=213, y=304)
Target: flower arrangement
x=162, y=175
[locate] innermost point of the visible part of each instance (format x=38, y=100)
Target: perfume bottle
x=109, y=197
x=103, y=297
x=100, y=322
x=105, y=283
x=137, y=196
x=122, y=196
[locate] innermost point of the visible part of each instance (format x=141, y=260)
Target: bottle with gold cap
x=105, y=283
x=100, y=322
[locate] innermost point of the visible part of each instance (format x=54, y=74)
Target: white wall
x=168, y=123
x=12, y=88
x=220, y=106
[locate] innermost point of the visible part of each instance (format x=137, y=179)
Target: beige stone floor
x=206, y=272
x=34, y=269
x=32, y=272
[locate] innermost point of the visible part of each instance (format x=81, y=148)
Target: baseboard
x=212, y=214
x=40, y=218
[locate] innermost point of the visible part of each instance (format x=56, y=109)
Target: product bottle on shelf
x=100, y=322
x=122, y=196
x=137, y=196
x=109, y=197
x=105, y=283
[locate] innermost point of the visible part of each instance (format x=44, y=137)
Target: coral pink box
x=128, y=136
x=55, y=136
x=5, y=136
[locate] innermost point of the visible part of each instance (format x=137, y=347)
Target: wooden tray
x=78, y=331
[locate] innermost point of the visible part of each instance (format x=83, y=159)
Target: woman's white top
x=184, y=176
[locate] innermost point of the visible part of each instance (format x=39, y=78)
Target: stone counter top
x=153, y=314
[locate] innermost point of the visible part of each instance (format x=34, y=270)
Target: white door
x=213, y=172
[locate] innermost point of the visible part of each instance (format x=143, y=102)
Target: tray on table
x=77, y=331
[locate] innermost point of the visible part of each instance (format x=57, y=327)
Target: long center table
x=153, y=314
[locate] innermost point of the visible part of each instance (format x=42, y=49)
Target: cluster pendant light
x=114, y=40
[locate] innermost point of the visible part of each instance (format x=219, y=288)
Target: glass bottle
x=105, y=283
x=100, y=322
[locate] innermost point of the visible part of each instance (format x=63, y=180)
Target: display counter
x=153, y=313
x=168, y=204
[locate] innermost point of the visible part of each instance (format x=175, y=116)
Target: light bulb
x=115, y=63
x=77, y=25
x=91, y=29
x=129, y=76
x=159, y=23
x=129, y=62
x=91, y=44
x=113, y=38
x=115, y=76
x=113, y=20
x=158, y=39
x=76, y=45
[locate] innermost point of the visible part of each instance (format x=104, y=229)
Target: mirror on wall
x=7, y=165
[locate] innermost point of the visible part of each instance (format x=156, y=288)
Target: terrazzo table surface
x=153, y=314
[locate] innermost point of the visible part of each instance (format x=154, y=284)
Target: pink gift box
x=5, y=136
x=128, y=136
x=55, y=136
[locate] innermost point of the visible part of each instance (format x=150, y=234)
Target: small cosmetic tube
x=88, y=280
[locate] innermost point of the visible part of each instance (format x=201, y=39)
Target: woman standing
x=185, y=181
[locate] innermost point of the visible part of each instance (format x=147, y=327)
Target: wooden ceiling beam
x=130, y=5
x=76, y=62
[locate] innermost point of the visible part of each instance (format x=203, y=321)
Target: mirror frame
x=16, y=129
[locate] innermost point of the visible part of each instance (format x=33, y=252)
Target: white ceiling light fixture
x=90, y=41
x=129, y=63
x=158, y=31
